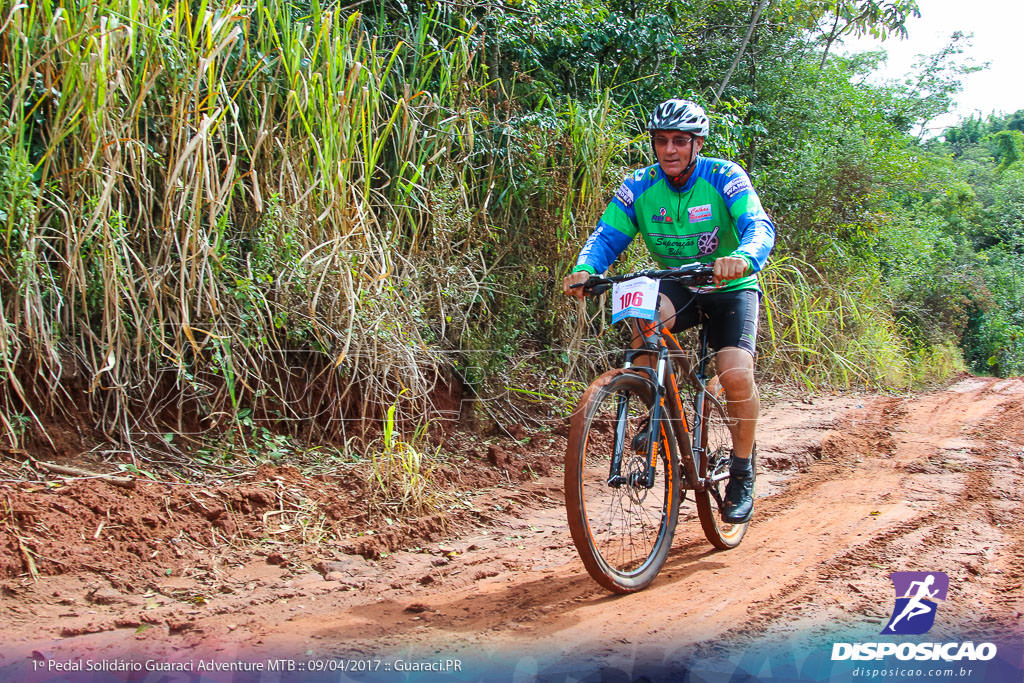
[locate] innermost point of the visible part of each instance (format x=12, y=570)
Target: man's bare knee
x=736, y=373
x=738, y=383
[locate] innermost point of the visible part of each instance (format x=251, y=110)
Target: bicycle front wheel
x=716, y=441
x=622, y=527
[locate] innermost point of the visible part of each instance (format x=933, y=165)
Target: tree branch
x=746, y=39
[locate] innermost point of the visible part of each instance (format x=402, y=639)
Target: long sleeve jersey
x=717, y=213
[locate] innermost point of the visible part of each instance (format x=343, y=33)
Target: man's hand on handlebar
x=729, y=268
x=577, y=278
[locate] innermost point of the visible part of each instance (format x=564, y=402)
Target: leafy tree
x=862, y=17
x=1009, y=148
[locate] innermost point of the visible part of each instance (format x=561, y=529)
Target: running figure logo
x=916, y=593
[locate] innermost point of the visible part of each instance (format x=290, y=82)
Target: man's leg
x=666, y=313
x=736, y=374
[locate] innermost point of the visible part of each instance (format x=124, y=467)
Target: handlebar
x=692, y=274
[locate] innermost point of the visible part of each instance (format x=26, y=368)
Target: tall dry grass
x=218, y=209
x=839, y=333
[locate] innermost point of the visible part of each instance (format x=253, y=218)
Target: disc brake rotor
x=636, y=491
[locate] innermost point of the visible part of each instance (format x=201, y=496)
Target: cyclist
x=691, y=208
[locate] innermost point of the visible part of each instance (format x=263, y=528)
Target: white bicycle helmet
x=681, y=115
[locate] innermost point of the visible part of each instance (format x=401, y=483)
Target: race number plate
x=636, y=298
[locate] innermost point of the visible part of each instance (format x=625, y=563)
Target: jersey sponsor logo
x=624, y=195
x=661, y=217
x=707, y=242
x=675, y=246
x=736, y=185
x=700, y=213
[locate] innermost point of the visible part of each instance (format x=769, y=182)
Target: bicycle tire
x=624, y=534
x=716, y=442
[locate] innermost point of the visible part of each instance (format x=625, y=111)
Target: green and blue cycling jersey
x=717, y=213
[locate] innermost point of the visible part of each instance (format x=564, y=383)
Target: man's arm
x=755, y=228
x=615, y=230
x=602, y=248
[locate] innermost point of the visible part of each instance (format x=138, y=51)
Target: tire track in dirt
x=579, y=612
x=959, y=527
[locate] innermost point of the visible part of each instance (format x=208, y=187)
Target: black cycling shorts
x=731, y=317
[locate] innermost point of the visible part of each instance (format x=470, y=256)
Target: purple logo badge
x=916, y=595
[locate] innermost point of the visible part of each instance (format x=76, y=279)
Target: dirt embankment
x=851, y=488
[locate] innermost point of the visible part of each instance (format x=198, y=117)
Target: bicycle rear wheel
x=716, y=440
x=623, y=533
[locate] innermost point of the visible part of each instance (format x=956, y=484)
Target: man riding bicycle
x=691, y=208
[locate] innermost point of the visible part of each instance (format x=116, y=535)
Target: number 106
x=632, y=299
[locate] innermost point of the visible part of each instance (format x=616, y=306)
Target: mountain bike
x=638, y=441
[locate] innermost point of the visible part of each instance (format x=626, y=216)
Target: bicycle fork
x=645, y=477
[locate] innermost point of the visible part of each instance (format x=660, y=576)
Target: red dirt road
x=851, y=489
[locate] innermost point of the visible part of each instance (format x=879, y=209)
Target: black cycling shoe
x=739, y=498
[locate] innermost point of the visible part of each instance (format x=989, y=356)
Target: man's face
x=675, y=149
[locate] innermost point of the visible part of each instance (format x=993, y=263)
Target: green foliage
x=1008, y=147
x=978, y=202
x=402, y=471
